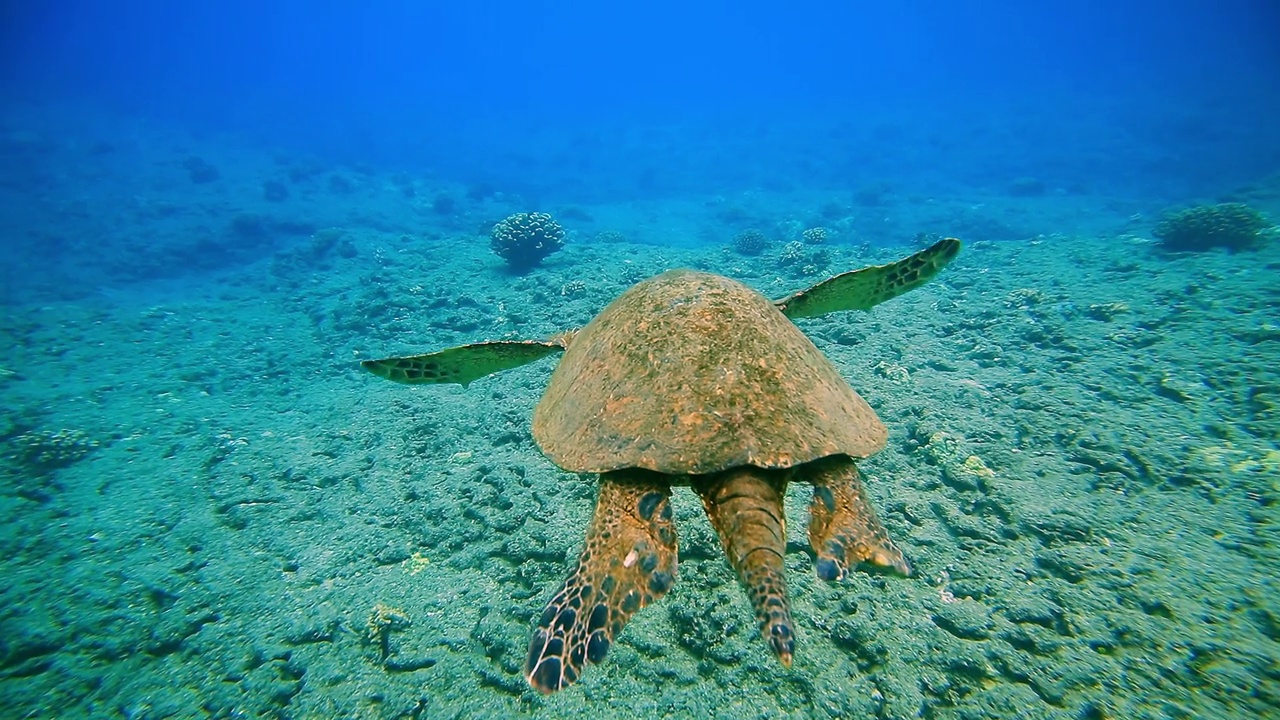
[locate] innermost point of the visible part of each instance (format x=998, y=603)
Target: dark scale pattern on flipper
x=745, y=507
x=864, y=289
x=843, y=527
x=629, y=561
x=464, y=364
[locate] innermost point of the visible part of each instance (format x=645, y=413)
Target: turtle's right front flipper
x=463, y=364
x=864, y=289
x=629, y=561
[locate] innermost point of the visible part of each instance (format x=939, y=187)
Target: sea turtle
x=689, y=378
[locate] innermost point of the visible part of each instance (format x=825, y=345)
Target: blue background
x=550, y=94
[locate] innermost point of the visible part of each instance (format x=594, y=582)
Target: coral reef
x=340, y=184
x=524, y=239
x=404, y=183
x=28, y=460
x=803, y=259
x=815, y=235
x=872, y=194
x=444, y=204
x=573, y=288
x=1234, y=226
x=45, y=450
x=610, y=236
x=200, y=171
x=250, y=226
x=750, y=242
x=961, y=468
x=384, y=620
x=274, y=191
x=481, y=192
x=1027, y=187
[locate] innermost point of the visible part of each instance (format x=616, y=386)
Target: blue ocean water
x=213, y=212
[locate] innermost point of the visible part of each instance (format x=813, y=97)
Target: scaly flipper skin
x=463, y=364
x=629, y=561
x=745, y=507
x=843, y=527
x=864, y=289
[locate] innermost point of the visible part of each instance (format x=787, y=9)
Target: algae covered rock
x=44, y=450
x=1234, y=226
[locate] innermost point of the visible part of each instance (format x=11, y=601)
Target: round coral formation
x=815, y=235
x=524, y=239
x=1234, y=226
x=45, y=450
x=750, y=242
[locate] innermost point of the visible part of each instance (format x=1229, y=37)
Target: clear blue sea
x=212, y=213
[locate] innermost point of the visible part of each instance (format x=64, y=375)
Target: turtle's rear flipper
x=629, y=561
x=843, y=528
x=864, y=289
x=463, y=364
x=745, y=507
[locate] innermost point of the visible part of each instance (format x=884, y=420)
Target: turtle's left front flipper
x=629, y=561
x=463, y=364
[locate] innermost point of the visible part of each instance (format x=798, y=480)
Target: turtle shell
x=691, y=373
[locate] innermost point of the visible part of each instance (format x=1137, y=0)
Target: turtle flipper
x=868, y=287
x=463, y=364
x=843, y=527
x=629, y=561
x=745, y=507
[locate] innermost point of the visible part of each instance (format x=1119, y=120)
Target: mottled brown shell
x=689, y=373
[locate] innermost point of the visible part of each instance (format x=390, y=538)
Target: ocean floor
x=210, y=509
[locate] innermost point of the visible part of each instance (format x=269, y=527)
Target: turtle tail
x=745, y=507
